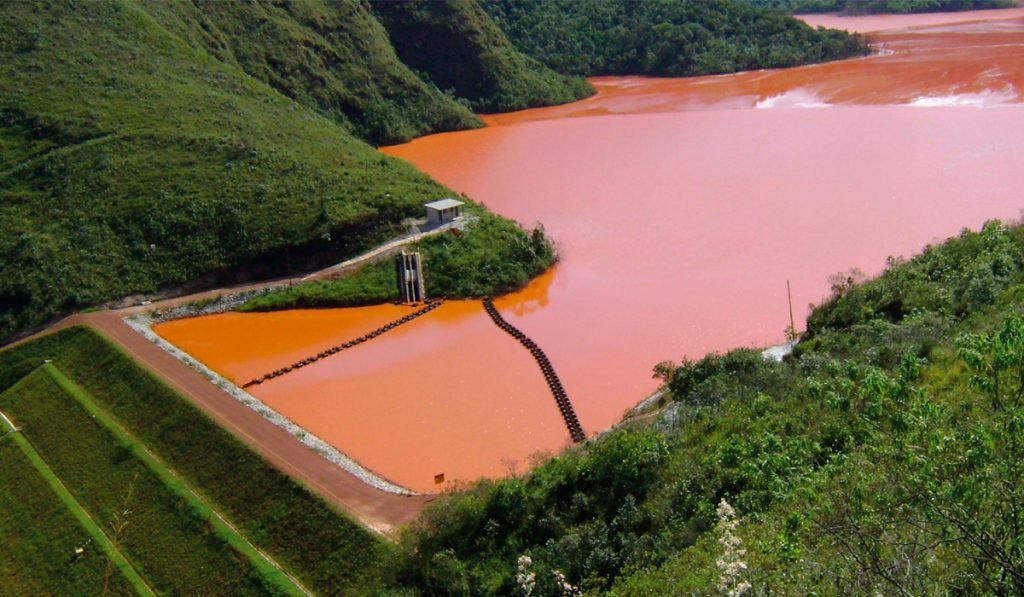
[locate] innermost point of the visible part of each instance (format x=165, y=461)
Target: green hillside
x=332, y=57
x=150, y=144
x=884, y=457
x=131, y=160
x=664, y=37
x=459, y=48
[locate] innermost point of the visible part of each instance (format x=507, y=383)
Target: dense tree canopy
x=663, y=37
x=457, y=46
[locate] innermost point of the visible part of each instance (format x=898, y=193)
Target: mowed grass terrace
x=115, y=484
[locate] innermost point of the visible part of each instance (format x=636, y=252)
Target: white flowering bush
x=731, y=566
x=563, y=585
x=525, y=580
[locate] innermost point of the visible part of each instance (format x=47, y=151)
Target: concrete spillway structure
x=410, y=277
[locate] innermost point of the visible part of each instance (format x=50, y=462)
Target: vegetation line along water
x=564, y=405
x=431, y=305
x=271, y=569
x=76, y=508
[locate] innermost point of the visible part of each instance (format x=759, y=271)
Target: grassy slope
x=333, y=57
x=38, y=559
x=371, y=285
x=662, y=37
x=459, y=48
x=130, y=160
x=492, y=257
x=876, y=460
x=322, y=547
x=166, y=540
x=275, y=579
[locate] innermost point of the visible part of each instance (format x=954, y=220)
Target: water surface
x=680, y=207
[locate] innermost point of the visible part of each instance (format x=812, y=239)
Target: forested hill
x=860, y=7
x=459, y=48
x=131, y=158
x=664, y=37
x=339, y=58
x=335, y=59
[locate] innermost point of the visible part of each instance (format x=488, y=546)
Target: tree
x=996, y=361
x=664, y=371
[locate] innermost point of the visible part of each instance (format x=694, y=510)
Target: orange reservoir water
x=681, y=207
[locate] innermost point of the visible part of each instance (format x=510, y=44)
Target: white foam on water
x=983, y=99
x=794, y=98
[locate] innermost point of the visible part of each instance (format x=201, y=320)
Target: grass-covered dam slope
x=884, y=457
x=42, y=534
x=141, y=497
x=172, y=545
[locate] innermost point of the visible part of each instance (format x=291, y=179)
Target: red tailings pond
x=681, y=207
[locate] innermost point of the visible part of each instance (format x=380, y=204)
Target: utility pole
x=792, y=322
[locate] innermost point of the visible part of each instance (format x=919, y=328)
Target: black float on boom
x=572, y=422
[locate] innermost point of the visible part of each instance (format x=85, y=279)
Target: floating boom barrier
x=561, y=398
x=431, y=305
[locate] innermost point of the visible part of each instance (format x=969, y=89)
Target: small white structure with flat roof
x=443, y=210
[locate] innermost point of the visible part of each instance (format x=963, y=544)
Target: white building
x=443, y=210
